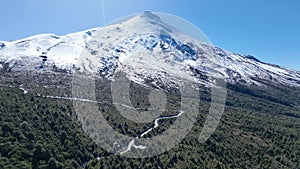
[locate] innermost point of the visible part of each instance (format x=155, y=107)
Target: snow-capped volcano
x=142, y=46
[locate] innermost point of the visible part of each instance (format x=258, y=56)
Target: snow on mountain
x=143, y=46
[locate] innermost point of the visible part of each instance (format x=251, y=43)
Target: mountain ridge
x=104, y=49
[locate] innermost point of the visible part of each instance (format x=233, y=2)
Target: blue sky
x=267, y=29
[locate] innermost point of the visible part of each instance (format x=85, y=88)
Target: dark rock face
x=2, y=45
x=183, y=48
x=252, y=58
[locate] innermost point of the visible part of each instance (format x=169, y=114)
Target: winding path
x=131, y=143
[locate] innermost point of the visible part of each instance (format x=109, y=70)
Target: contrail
x=103, y=13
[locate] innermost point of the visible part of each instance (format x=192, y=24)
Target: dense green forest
x=40, y=133
x=259, y=129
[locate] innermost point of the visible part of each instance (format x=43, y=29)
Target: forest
x=259, y=129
